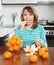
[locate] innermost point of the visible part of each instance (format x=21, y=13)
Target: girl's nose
x=28, y=16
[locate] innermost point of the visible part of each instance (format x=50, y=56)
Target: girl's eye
x=25, y=14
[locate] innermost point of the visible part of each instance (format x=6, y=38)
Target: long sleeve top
x=29, y=36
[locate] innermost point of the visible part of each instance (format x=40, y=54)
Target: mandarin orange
x=7, y=54
x=45, y=55
x=33, y=58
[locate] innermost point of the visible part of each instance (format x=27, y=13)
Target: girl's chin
x=28, y=24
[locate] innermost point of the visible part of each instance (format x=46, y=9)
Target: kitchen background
x=45, y=12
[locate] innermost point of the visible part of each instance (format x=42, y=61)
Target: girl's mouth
x=28, y=21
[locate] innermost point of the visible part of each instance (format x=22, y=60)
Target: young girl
x=29, y=30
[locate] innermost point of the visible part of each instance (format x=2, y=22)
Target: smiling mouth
x=28, y=20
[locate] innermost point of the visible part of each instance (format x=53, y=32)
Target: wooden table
x=19, y=58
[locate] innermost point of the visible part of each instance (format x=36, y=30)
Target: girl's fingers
x=38, y=42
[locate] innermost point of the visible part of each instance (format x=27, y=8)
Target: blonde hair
x=33, y=12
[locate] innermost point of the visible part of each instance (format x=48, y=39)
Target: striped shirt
x=29, y=36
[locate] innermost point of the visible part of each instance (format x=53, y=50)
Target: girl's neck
x=29, y=26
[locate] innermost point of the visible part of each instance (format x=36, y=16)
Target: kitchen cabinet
x=50, y=41
x=24, y=2
x=45, y=2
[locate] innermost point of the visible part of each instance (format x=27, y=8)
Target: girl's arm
x=43, y=37
x=42, y=40
x=18, y=32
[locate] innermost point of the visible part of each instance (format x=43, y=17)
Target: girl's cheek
x=24, y=17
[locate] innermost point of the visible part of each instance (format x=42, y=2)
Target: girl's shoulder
x=40, y=27
x=18, y=27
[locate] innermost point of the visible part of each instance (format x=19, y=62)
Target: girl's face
x=28, y=17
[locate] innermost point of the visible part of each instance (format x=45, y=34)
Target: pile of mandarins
x=42, y=52
x=13, y=44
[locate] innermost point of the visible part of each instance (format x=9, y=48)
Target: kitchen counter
x=5, y=30
x=5, y=33
x=48, y=25
x=19, y=58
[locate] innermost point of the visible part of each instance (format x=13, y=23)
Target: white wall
x=44, y=11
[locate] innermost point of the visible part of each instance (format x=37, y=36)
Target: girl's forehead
x=27, y=11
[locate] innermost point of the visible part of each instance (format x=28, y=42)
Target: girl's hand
x=38, y=42
x=22, y=25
